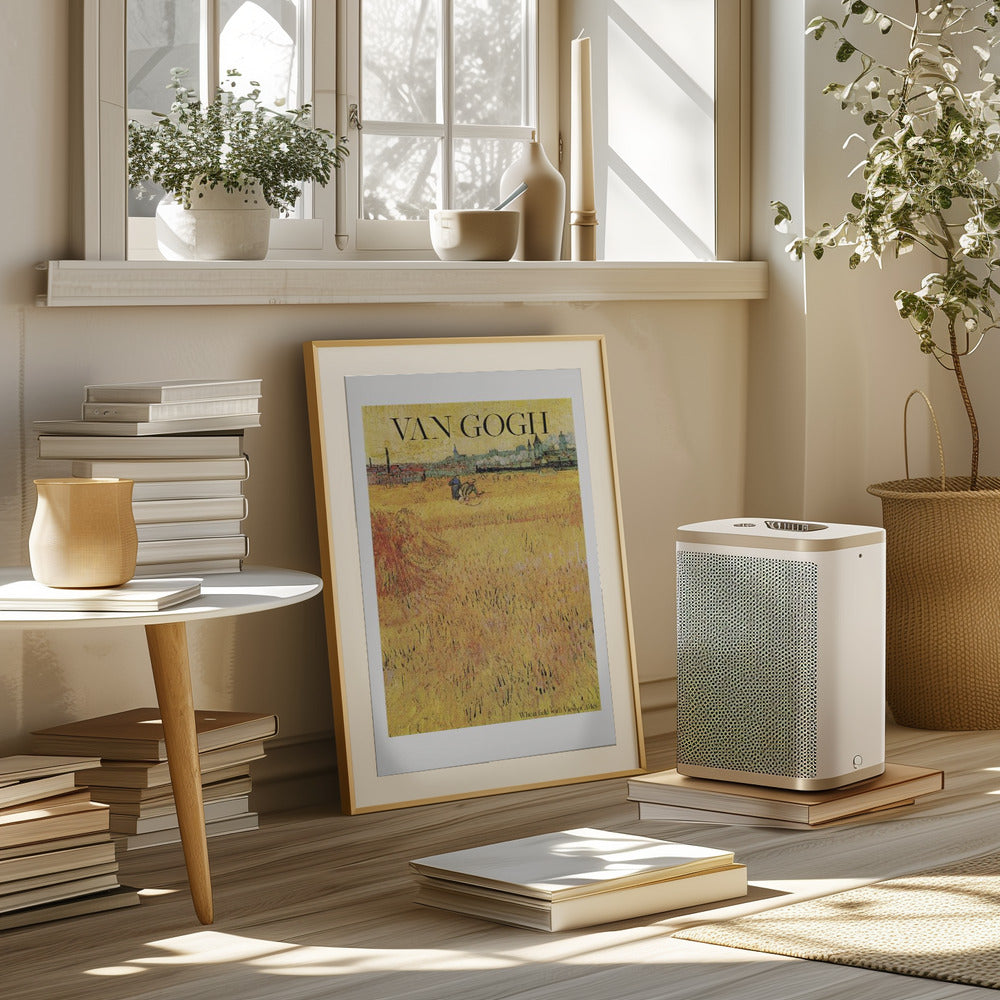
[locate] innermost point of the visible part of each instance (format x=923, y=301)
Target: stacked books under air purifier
x=181, y=442
x=132, y=777
x=577, y=878
x=57, y=857
x=667, y=795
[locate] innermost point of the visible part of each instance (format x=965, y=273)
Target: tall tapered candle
x=583, y=215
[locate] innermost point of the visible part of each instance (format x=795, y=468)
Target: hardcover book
x=171, y=390
x=147, y=469
x=171, y=411
x=898, y=782
x=571, y=863
x=135, y=595
x=71, y=841
x=160, y=799
x=141, y=428
x=575, y=878
x=80, y=446
x=186, y=529
x=154, y=776
x=21, y=792
x=215, y=828
x=194, y=567
x=157, y=511
x=67, y=859
x=170, y=550
x=97, y=902
x=10, y=889
x=684, y=814
x=36, y=829
x=599, y=907
x=60, y=890
x=22, y=767
x=137, y=734
x=217, y=809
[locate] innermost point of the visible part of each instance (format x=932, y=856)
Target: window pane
x=160, y=34
x=258, y=39
x=399, y=45
x=489, y=62
x=479, y=164
x=401, y=176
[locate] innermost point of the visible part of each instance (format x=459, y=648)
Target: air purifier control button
x=858, y=760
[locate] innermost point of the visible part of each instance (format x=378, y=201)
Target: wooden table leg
x=168, y=654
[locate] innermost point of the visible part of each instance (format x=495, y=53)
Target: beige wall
x=678, y=387
x=831, y=363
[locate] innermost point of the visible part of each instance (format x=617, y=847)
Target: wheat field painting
x=481, y=574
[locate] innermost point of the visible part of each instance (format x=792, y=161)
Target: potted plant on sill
x=929, y=185
x=227, y=167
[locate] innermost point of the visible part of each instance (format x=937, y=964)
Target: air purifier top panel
x=780, y=533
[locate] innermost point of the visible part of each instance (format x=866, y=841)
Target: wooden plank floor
x=318, y=905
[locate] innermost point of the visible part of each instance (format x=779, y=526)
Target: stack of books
x=181, y=441
x=667, y=795
x=132, y=776
x=577, y=878
x=57, y=857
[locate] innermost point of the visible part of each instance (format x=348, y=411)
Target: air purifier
x=781, y=652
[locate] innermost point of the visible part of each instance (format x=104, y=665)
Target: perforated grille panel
x=746, y=663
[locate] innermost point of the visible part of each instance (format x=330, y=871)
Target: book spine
x=151, y=470
x=83, y=448
x=166, y=393
x=170, y=411
x=186, y=549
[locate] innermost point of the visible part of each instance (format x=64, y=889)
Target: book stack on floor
x=181, y=441
x=667, y=795
x=57, y=858
x=577, y=878
x=132, y=776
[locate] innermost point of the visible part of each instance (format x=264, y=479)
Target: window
x=447, y=92
x=443, y=92
x=262, y=40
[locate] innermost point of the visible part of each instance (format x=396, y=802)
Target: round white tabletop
x=256, y=588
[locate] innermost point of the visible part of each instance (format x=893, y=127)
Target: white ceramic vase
x=83, y=533
x=219, y=225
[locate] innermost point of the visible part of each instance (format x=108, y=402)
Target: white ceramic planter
x=219, y=225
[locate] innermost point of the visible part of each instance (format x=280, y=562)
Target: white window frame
x=380, y=236
x=101, y=218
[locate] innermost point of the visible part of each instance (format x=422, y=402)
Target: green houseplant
x=928, y=184
x=230, y=153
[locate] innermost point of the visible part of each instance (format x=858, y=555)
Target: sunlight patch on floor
x=216, y=948
x=283, y=958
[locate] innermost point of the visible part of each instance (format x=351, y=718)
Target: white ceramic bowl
x=474, y=234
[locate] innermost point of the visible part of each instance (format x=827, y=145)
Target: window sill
x=280, y=282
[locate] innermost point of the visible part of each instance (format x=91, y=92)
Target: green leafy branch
x=235, y=141
x=929, y=172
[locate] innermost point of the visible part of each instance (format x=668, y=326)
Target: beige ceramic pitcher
x=83, y=533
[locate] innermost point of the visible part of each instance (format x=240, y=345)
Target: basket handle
x=937, y=432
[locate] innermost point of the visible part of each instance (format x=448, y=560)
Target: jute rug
x=938, y=924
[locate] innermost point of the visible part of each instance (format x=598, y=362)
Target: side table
x=257, y=588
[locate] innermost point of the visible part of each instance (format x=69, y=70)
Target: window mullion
x=208, y=68
x=446, y=112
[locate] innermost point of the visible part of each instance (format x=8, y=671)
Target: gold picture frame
x=478, y=620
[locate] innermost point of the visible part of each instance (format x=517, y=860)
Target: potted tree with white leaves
x=928, y=183
x=227, y=167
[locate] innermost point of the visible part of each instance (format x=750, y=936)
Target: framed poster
x=476, y=599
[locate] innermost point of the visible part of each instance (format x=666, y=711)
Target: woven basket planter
x=943, y=601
